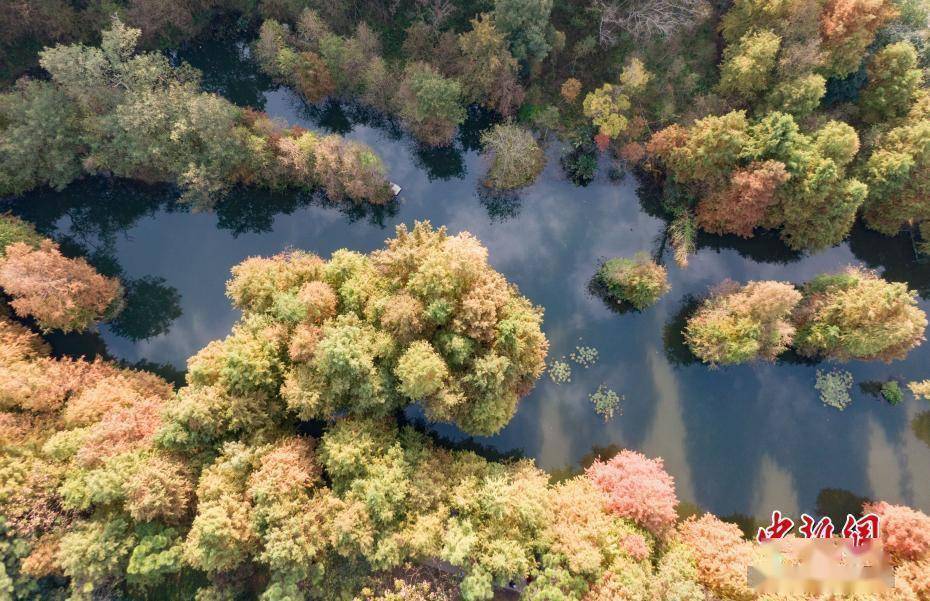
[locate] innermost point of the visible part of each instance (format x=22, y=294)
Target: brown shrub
x=741, y=207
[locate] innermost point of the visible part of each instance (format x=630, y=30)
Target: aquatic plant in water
x=560, y=371
x=891, y=392
x=921, y=390
x=585, y=356
x=834, y=388
x=606, y=402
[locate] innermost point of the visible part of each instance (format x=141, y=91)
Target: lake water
x=745, y=439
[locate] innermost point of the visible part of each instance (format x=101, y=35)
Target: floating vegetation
x=891, y=392
x=560, y=371
x=606, y=402
x=921, y=390
x=585, y=356
x=834, y=388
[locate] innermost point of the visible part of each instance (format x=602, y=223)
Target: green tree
x=430, y=104
x=526, y=25
x=893, y=83
x=40, y=138
x=896, y=172
x=111, y=109
x=487, y=70
x=13, y=229
x=799, y=97
x=747, y=65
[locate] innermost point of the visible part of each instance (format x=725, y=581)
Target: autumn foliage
x=741, y=207
x=425, y=320
x=60, y=293
x=139, y=116
x=721, y=554
x=742, y=323
x=855, y=314
x=905, y=531
x=115, y=485
x=637, y=488
x=847, y=27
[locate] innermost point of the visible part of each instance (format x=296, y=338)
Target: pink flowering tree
x=905, y=532
x=637, y=488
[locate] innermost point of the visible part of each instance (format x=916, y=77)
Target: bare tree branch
x=644, y=19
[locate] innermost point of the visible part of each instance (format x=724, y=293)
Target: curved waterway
x=745, y=439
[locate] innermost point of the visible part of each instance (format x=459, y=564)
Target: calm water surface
x=746, y=439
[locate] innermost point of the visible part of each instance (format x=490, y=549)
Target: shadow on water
x=673, y=334
x=764, y=247
x=151, y=307
x=894, y=257
x=598, y=290
x=501, y=205
x=443, y=163
x=253, y=211
x=100, y=211
x=438, y=163
x=227, y=70
x=597, y=453
x=460, y=443
x=920, y=426
x=837, y=503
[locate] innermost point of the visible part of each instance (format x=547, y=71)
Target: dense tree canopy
x=818, y=62
x=766, y=173
x=113, y=485
x=428, y=91
x=109, y=109
x=526, y=24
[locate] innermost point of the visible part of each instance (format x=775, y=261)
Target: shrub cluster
x=853, y=314
x=109, y=109
x=514, y=156
x=639, y=281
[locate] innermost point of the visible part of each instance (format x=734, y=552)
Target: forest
x=339, y=436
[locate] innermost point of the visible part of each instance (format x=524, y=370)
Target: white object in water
x=395, y=188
